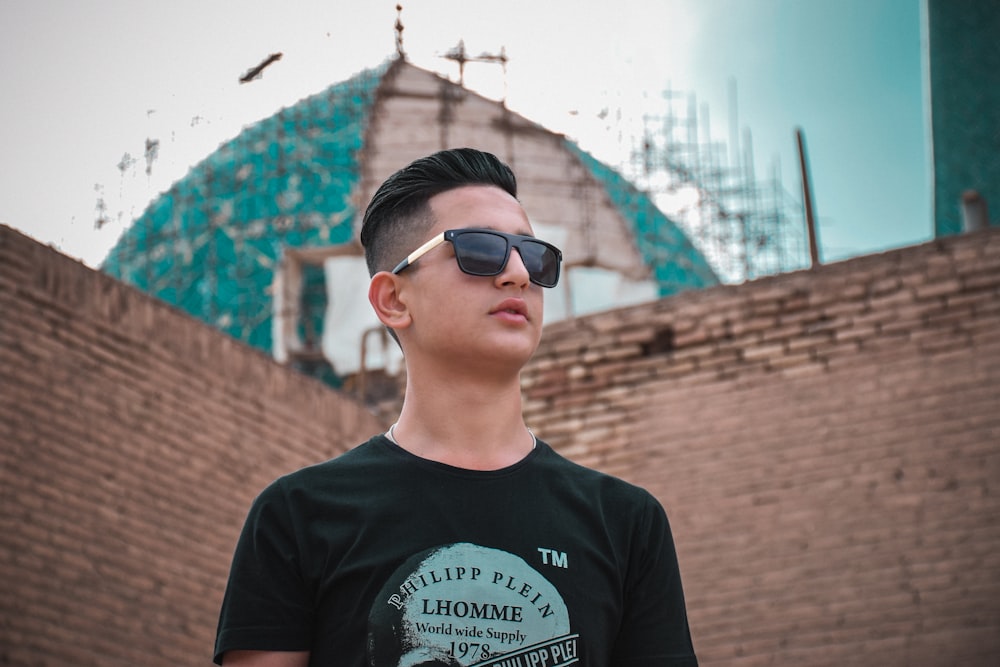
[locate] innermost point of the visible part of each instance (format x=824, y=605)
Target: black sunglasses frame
x=512, y=241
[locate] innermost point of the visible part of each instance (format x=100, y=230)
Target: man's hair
x=399, y=215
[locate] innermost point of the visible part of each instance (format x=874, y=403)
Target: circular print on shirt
x=462, y=605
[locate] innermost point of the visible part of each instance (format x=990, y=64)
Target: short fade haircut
x=399, y=215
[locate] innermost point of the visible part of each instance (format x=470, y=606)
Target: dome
x=277, y=204
x=209, y=244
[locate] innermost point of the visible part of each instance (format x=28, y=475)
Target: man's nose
x=515, y=273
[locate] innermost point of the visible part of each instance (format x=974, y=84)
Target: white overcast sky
x=85, y=82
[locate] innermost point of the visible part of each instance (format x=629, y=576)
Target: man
x=457, y=537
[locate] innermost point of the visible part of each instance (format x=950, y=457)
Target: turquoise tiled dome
x=211, y=243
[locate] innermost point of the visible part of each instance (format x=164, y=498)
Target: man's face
x=473, y=321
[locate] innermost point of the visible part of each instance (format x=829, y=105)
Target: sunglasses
x=484, y=252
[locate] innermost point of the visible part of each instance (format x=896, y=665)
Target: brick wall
x=133, y=440
x=827, y=444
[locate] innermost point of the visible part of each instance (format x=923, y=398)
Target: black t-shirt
x=382, y=558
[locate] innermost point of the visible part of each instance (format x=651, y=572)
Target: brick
x=885, y=286
x=936, y=289
x=809, y=341
x=839, y=309
x=814, y=366
x=749, y=325
x=858, y=332
x=691, y=337
x=788, y=359
x=890, y=300
x=979, y=281
x=634, y=335
x=766, y=351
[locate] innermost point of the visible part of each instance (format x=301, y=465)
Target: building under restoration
x=259, y=239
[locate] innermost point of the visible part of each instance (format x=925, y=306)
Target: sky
x=86, y=84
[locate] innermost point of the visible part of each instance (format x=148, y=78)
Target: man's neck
x=466, y=422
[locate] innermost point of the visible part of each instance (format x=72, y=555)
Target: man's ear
x=383, y=294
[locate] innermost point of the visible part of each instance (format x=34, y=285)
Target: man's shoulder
x=357, y=460
x=595, y=481
x=344, y=477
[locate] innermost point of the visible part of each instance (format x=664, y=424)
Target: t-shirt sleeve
x=654, y=629
x=267, y=606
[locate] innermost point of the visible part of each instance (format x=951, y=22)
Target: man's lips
x=511, y=307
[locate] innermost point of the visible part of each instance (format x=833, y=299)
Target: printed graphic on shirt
x=464, y=605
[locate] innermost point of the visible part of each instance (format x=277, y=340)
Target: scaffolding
x=747, y=227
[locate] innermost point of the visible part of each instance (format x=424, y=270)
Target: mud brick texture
x=133, y=441
x=826, y=443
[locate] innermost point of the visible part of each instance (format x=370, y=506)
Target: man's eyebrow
x=521, y=232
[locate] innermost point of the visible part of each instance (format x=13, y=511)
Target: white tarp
x=349, y=316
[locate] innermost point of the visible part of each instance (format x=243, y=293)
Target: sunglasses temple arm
x=419, y=252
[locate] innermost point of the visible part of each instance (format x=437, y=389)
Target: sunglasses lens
x=480, y=254
x=485, y=254
x=542, y=263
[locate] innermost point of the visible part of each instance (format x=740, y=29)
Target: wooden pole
x=807, y=199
